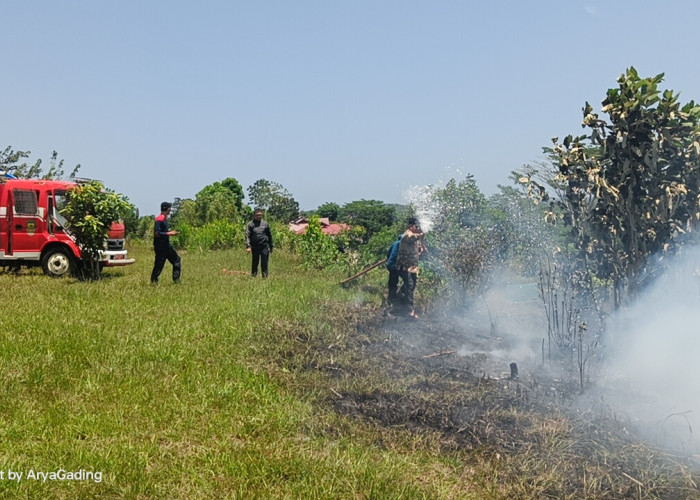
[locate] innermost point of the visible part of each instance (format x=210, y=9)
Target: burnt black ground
x=457, y=371
x=449, y=373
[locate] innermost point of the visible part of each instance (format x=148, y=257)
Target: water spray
x=424, y=205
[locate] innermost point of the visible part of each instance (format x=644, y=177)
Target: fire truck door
x=5, y=225
x=26, y=226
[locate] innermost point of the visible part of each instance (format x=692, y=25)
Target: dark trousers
x=409, y=285
x=163, y=254
x=393, y=286
x=261, y=257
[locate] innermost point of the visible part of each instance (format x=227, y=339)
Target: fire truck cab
x=32, y=229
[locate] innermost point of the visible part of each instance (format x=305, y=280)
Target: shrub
x=317, y=250
x=90, y=211
x=217, y=235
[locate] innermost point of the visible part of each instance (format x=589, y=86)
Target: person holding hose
x=411, y=247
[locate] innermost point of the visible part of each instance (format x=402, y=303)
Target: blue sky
x=335, y=100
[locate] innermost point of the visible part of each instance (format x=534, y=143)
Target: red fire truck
x=32, y=229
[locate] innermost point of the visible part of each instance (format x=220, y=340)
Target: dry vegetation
x=443, y=377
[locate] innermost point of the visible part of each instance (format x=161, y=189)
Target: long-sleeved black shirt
x=258, y=235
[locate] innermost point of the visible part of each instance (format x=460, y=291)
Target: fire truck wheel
x=56, y=262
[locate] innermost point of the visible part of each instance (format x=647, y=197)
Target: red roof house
x=327, y=227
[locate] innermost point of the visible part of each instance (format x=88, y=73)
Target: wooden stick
x=439, y=353
x=364, y=271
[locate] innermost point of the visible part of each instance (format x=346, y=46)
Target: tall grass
x=171, y=391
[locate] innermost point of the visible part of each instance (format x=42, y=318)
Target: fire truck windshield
x=61, y=200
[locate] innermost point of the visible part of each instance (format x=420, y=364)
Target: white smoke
x=650, y=349
x=653, y=352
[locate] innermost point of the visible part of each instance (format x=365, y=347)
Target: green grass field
x=223, y=386
x=122, y=389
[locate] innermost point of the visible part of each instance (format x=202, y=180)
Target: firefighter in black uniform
x=161, y=244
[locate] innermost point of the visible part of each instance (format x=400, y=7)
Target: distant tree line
x=215, y=218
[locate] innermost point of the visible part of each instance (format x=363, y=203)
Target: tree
x=629, y=187
x=10, y=165
x=235, y=189
x=274, y=199
x=90, y=212
x=459, y=204
x=9, y=162
x=317, y=250
x=465, y=241
x=528, y=238
x=56, y=170
x=145, y=226
x=373, y=215
x=184, y=211
x=220, y=200
x=131, y=219
x=330, y=210
x=284, y=209
x=261, y=193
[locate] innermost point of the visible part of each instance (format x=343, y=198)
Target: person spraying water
x=411, y=247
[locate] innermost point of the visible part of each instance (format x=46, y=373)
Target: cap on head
x=412, y=221
x=165, y=205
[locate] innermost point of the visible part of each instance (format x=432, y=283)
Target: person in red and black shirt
x=161, y=244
